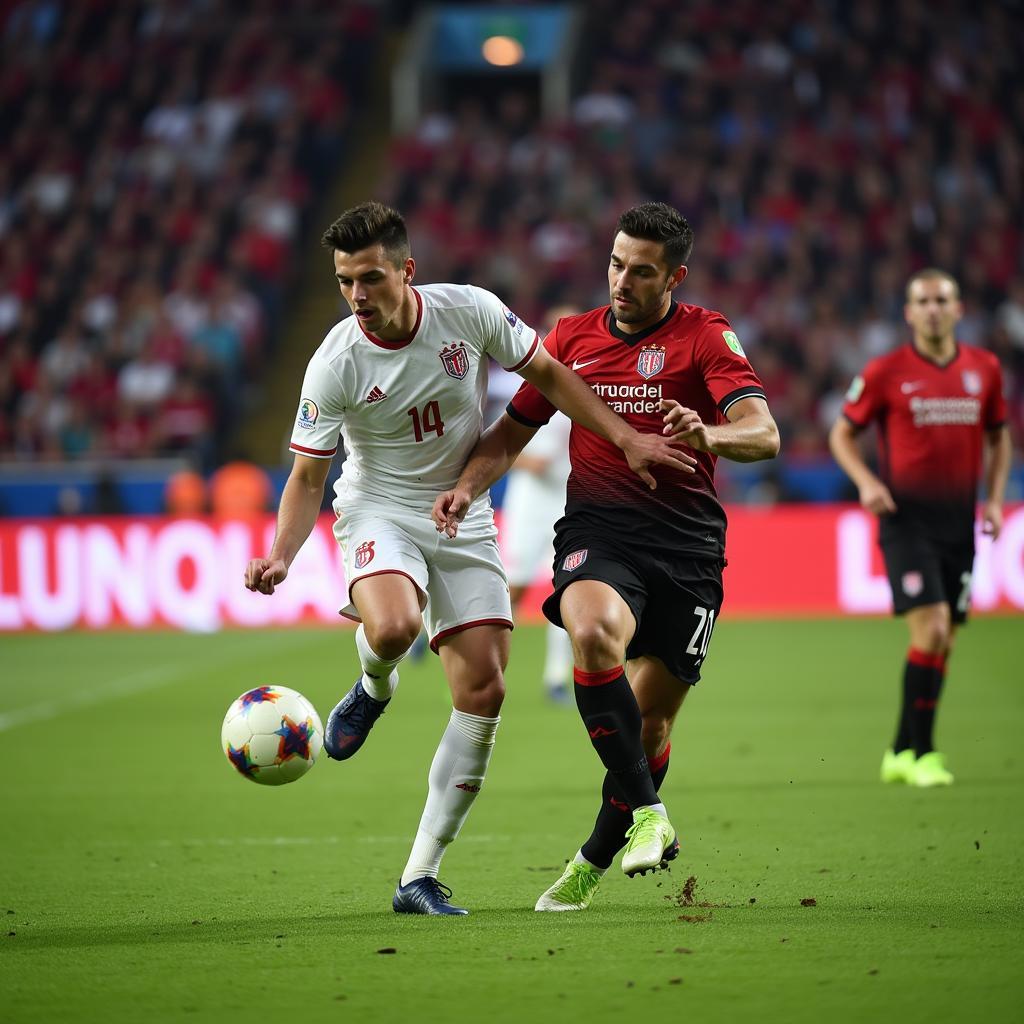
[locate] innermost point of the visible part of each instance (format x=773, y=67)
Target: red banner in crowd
x=187, y=573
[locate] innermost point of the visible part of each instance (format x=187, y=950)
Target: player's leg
x=388, y=577
x=474, y=662
x=936, y=634
x=469, y=620
x=601, y=624
x=659, y=696
x=919, y=594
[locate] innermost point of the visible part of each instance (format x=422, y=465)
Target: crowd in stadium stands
x=822, y=151
x=158, y=167
x=160, y=159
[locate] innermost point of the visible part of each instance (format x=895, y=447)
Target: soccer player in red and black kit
x=638, y=570
x=938, y=406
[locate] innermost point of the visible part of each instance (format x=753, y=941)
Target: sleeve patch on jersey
x=856, y=389
x=308, y=414
x=514, y=322
x=734, y=343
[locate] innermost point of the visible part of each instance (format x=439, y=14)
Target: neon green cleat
x=573, y=891
x=652, y=843
x=930, y=770
x=897, y=767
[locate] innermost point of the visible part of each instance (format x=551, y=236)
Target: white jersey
x=410, y=411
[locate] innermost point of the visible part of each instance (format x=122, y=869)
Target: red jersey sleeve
x=865, y=398
x=995, y=405
x=528, y=406
x=727, y=373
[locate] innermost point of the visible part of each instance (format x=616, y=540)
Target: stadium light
x=502, y=51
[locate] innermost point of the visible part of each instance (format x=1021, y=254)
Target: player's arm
x=568, y=391
x=874, y=495
x=296, y=517
x=998, y=457
x=750, y=435
x=488, y=462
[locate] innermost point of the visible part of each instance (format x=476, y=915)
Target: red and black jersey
x=692, y=356
x=931, y=419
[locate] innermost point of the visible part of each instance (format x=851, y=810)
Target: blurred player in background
x=404, y=378
x=534, y=500
x=638, y=572
x=941, y=417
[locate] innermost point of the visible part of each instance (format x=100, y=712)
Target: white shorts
x=529, y=512
x=461, y=581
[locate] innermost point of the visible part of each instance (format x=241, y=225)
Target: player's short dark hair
x=933, y=274
x=369, y=224
x=659, y=222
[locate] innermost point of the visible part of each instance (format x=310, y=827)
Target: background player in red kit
x=638, y=571
x=937, y=405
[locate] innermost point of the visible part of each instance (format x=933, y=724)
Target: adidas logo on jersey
x=375, y=395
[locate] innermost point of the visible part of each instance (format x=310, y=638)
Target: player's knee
x=389, y=640
x=595, y=645
x=483, y=696
x=936, y=633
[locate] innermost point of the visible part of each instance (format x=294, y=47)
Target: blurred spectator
x=822, y=153
x=158, y=163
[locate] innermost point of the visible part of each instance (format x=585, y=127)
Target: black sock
x=610, y=713
x=614, y=817
x=922, y=683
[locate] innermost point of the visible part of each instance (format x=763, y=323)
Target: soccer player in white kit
x=404, y=380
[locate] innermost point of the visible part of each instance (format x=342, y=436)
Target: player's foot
x=350, y=722
x=930, y=770
x=573, y=891
x=424, y=895
x=897, y=767
x=652, y=843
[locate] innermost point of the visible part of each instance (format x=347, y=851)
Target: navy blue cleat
x=424, y=896
x=350, y=722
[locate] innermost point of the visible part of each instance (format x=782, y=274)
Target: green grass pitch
x=141, y=879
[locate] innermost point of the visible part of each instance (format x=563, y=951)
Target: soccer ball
x=272, y=735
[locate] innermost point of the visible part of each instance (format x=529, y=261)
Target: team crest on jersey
x=575, y=560
x=455, y=359
x=365, y=553
x=308, y=413
x=912, y=583
x=972, y=382
x=650, y=361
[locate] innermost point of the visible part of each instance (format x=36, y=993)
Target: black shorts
x=924, y=571
x=675, y=603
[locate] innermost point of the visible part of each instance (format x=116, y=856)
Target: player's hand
x=262, y=574
x=684, y=424
x=449, y=510
x=992, y=519
x=875, y=497
x=643, y=451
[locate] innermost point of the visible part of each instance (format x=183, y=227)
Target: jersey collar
x=633, y=339
x=402, y=342
x=932, y=362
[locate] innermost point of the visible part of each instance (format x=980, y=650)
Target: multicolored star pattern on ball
x=239, y=757
x=294, y=741
x=261, y=695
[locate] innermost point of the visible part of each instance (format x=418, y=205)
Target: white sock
x=660, y=808
x=456, y=775
x=580, y=859
x=379, y=676
x=558, y=659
